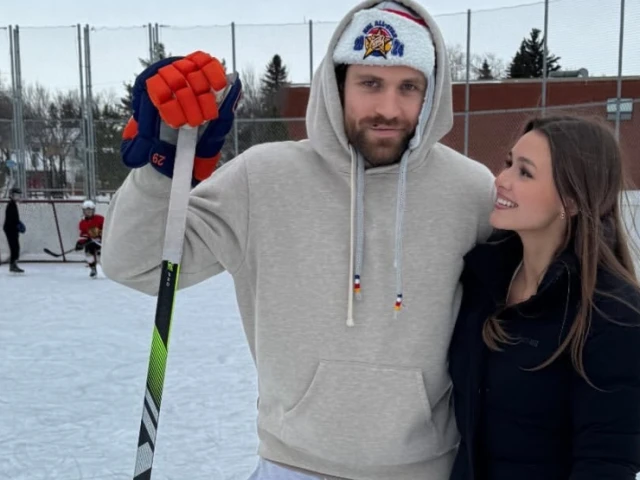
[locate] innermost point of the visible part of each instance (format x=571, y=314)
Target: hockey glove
x=82, y=241
x=177, y=91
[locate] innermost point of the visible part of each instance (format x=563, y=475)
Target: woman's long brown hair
x=588, y=173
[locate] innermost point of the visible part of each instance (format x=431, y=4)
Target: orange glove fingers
x=211, y=67
x=185, y=66
x=199, y=83
x=208, y=106
x=158, y=90
x=200, y=58
x=182, y=92
x=174, y=78
x=172, y=114
x=214, y=71
x=190, y=106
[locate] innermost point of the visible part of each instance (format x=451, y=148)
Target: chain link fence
x=65, y=91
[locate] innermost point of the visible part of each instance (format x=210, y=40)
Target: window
x=626, y=108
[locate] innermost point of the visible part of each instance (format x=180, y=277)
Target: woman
x=545, y=356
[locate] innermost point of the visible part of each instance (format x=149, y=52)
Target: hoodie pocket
x=364, y=415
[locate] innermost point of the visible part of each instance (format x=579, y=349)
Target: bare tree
x=6, y=119
x=109, y=122
x=52, y=133
x=249, y=109
x=251, y=104
x=497, y=66
x=6, y=139
x=458, y=64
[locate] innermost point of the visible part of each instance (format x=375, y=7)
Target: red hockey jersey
x=92, y=227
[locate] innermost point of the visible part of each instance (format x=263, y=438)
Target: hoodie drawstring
x=359, y=225
x=402, y=193
x=355, y=285
x=357, y=232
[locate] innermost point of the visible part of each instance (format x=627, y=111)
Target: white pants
x=267, y=470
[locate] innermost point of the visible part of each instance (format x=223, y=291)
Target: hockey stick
x=66, y=252
x=53, y=254
x=171, y=257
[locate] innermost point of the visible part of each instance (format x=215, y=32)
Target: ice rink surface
x=73, y=362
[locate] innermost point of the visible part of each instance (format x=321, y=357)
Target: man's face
x=381, y=109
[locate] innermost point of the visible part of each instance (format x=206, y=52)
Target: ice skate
x=14, y=268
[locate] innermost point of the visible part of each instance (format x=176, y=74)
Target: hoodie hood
x=326, y=131
x=325, y=117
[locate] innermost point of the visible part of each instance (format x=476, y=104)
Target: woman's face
x=527, y=199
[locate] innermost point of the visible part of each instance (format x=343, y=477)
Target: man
x=345, y=249
x=90, y=228
x=13, y=227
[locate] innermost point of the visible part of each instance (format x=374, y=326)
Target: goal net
x=51, y=224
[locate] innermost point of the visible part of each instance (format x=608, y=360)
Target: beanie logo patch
x=379, y=39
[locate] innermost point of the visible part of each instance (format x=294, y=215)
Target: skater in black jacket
x=13, y=227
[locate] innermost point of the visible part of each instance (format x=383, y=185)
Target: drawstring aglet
x=398, y=306
x=357, y=289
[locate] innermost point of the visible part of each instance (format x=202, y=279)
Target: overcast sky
x=584, y=33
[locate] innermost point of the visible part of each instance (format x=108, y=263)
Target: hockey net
x=51, y=224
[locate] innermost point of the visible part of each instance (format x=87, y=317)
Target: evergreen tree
x=528, y=60
x=274, y=78
x=108, y=124
x=272, y=83
x=159, y=53
x=485, y=72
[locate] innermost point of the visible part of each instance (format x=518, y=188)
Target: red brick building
x=499, y=109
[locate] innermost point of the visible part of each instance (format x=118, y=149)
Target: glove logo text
x=157, y=159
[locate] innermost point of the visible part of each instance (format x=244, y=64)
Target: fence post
x=546, y=54
x=619, y=85
x=467, y=87
x=83, y=114
x=14, y=122
x=310, y=51
x=236, y=147
x=151, y=49
x=91, y=171
x=21, y=159
x=156, y=41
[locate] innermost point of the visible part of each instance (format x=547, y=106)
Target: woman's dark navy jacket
x=548, y=424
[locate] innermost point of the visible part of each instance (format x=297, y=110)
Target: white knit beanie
x=387, y=34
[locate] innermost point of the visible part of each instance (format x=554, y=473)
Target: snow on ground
x=73, y=363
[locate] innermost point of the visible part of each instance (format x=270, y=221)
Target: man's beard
x=381, y=151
